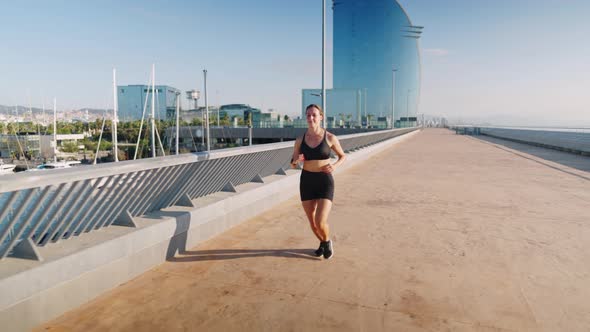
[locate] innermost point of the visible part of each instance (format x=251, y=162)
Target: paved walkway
x=439, y=233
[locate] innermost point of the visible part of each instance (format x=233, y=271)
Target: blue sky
x=505, y=61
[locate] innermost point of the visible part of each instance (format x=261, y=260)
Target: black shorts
x=316, y=185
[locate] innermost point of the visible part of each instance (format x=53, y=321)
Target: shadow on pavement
x=224, y=254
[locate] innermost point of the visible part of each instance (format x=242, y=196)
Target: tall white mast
x=16, y=120
x=206, y=110
x=31, y=108
x=218, y=106
x=177, y=119
x=115, y=119
x=55, y=129
x=393, y=98
x=99, y=138
x=153, y=111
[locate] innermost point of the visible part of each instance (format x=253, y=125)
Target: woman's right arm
x=297, y=157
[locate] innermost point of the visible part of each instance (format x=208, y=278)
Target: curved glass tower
x=376, y=53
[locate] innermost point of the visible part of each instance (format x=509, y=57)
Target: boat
x=6, y=168
x=57, y=165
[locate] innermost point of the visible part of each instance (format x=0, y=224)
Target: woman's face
x=313, y=116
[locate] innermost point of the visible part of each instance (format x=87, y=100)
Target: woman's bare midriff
x=315, y=165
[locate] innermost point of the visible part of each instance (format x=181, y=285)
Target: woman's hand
x=300, y=159
x=327, y=168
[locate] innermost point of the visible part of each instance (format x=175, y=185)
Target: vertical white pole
x=177, y=120
x=249, y=128
x=16, y=120
x=153, y=111
x=104, y=118
x=55, y=129
x=115, y=119
x=324, y=62
x=358, y=106
x=206, y=110
x=408, y=110
x=202, y=122
x=365, y=101
x=393, y=99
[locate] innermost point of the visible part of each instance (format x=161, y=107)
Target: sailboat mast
x=206, y=109
x=16, y=113
x=115, y=119
x=177, y=119
x=54, y=129
x=99, y=139
x=153, y=110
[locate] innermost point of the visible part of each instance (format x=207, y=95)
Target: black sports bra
x=320, y=152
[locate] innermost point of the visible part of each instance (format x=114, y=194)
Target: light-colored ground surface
x=564, y=158
x=439, y=233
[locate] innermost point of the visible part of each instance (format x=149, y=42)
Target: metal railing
x=39, y=208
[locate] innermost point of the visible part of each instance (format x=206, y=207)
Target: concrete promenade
x=439, y=233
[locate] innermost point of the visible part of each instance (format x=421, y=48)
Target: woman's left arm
x=335, y=146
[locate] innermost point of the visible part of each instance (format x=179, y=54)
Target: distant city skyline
x=509, y=62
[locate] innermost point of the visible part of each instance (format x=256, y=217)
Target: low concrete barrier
x=570, y=141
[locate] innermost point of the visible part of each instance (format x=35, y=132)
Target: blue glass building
x=371, y=39
x=131, y=100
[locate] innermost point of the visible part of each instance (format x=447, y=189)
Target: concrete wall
x=76, y=271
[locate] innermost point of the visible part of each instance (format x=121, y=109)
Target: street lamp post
x=393, y=71
x=194, y=95
x=408, y=108
x=250, y=128
x=324, y=61
x=365, y=101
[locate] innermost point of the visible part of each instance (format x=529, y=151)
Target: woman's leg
x=310, y=208
x=321, y=219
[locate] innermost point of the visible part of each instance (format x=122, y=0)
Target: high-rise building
x=371, y=40
x=376, y=64
x=132, y=99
